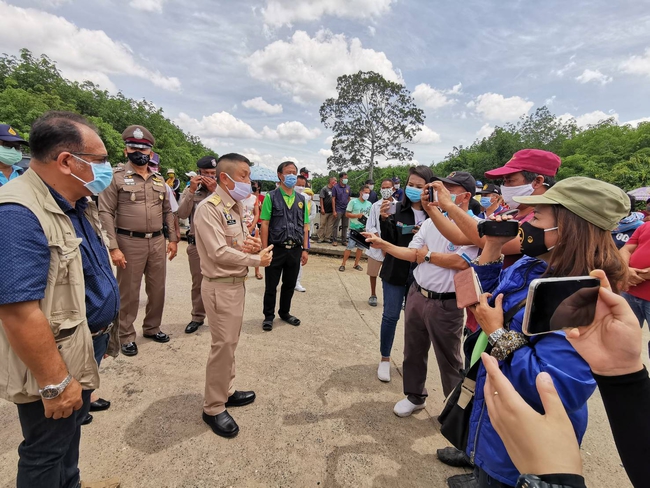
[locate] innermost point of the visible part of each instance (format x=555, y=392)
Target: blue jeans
x=393, y=299
x=100, y=345
x=640, y=307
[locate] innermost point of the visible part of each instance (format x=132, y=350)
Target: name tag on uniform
x=229, y=219
x=129, y=181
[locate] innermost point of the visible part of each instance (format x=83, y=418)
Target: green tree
x=371, y=118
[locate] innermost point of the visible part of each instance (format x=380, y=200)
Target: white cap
x=191, y=174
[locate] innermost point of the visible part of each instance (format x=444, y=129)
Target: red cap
x=534, y=160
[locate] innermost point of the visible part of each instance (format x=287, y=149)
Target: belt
x=191, y=240
x=229, y=279
x=142, y=235
x=103, y=331
x=288, y=244
x=434, y=295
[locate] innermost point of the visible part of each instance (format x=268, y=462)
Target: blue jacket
x=551, y=353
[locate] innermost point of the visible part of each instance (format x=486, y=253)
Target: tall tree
x=372, y=117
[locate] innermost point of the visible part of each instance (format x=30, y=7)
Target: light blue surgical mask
x=102, y=176
x=413, y=194
x=241, y=190
x=290, y=180
x=486, y=202
x=10, y=156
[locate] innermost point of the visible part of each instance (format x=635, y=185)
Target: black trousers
x=285, y=264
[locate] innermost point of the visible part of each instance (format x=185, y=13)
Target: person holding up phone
x=567, y=236
x=357, y=211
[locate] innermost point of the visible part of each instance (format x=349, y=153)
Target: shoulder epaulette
x=215, y=200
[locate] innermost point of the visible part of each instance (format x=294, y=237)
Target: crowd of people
x=63, y=310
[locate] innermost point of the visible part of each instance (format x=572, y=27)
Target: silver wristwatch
x=496, y=335
x=427, y=258
x=52, y=391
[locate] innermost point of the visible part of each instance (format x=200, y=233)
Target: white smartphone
x=392, y=208
x=554, y=304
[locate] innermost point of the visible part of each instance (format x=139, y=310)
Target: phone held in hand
x=554, y=304
x=468, y=288
x=407, y=229
x=433, y=195
x=392, y=207
x=506, y=228
x=359, y=239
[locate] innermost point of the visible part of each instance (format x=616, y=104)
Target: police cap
x=207, y=162
x=136, y=134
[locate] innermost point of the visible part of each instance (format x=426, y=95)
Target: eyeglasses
x=11, y=145
x=103, y=156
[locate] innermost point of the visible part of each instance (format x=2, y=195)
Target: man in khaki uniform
x=226, y=251
x=132, y=210
x=199, y=188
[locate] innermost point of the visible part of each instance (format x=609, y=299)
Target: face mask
x=290, y=180
x=507, y=192
x=138, y=158
x=102, y=176
x=413, y=193
x=10, y=156
x=153, y=168
x=532, y=239
x=397, y=186
x=299, y=189
x=372, y=187
x=345, y=181
x=486, y=202
x=386, y=193
x=365, y=196
x=241, y=190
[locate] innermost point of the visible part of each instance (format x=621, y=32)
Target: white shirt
x=428, y=275
x=372, y=226
x=172, y=199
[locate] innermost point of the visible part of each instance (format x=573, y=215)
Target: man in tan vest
x=226, y=250
x=58, y=296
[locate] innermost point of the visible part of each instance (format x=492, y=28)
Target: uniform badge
x=213, y=162
x=229, y=219
x=129, y=181
x=300, y=205
x=215, y=200
x=138, y=134
x=132, y=197
x=12, y=131
x=451, y=247
x=162, y=196
x=157, y=183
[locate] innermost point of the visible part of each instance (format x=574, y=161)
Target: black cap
x=303, y=170
x=489, y=189
x=460, y=178
x=207, y=162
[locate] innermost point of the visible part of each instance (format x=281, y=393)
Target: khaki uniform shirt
x=137, y=204
x=189, y=202
x=220, y=233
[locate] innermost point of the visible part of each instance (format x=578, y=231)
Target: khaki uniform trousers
x=143, y=257
x=198, y=310
x=224, y=304
x=326, y=226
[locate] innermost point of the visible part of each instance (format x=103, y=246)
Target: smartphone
x=507, y=228
x=433, y=194
x=560, y=303
x=392, y=208
x=408, y=229
x=514, y=211
x=359, y=239
x=468, y=288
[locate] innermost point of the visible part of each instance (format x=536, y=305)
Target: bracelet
x=508, y=343
x=496, y=261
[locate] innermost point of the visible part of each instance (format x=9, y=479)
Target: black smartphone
x=506, y=228
x=560, y=303
x=433, y=194
x=359, y=239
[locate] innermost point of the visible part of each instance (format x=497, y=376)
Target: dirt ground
x=321, y=417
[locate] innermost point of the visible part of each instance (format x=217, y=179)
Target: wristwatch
x=52, y=391
x=496, y=335
x=427, y=258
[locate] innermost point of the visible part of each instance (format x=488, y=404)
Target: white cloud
x=219, y=124
x=372, y=30
x=485, y=131
x=493, y=106
x=53, y=3
x=636, y=122
x=148, y=5
x=590, y=118
x=329, y=140
x=307, y=67
x=285, y=12
x=325, y=152
x=294, y=132
x=637, y=65
x=433, y=98
x=261, y=105
x=81, y=54
x=426, y=136
x=595, y=76
x=549, y=101
x=562, y=71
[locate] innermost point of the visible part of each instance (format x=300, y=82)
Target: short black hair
x=422, y=171
x=364, y=187
x=389, y=180
x=304, y=170
x=301, y=177
x=55, y=132
x=285, y=164
x=342, y=174
x=370, y=181
x=529, y=176
x=234, y=157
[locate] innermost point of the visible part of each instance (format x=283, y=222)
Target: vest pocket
x=64, y=255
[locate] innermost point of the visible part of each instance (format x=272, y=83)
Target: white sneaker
x=299, y=287
x=404, y=408
x=383, y=372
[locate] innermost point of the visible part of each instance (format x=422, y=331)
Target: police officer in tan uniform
x=226, y=251
x=199, y=188
x=132, y=210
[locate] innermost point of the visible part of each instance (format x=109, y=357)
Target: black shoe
x=100, y=405
x=222, y=424
x=454, y=457
x=462, y=481
x=159, y=337
x=267, y=325
x=129, y=349
x=240, y=398
x=193, y=326
x=290, y=319
x=87, y=420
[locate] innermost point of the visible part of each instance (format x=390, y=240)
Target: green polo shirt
x=267, y=206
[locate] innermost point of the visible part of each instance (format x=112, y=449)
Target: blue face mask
x=486, y=202
x=290, y=180
x=413, y=194
x=102, y=176
x=10, y=156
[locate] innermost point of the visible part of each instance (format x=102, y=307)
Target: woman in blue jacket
x=568, y=236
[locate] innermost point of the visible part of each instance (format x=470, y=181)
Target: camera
x=508, y=228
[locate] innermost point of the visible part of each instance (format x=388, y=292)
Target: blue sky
x=249, y=76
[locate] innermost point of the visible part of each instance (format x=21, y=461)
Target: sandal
x=335, y=243
x=358, y=267
x=259, y=276
x=341, y=268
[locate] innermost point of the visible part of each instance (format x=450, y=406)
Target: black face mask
x=532, y=239
x=138, y=158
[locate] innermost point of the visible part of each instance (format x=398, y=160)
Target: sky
x=250, y=76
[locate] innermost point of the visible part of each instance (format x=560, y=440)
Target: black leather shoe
x=454, y=457
x=129, y=349
x=100, y=405
x=240, y=398
x=159, y=337
x=222, y=424
x=87, y=420
x=192, y=326
x=462, y=481
x=290, y=319
x=267, y=325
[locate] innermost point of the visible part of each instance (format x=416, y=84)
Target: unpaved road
x=321, y=417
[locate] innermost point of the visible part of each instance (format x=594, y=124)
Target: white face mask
x=299, y=189
x=365, y=196
x=372, y=187
x=386, y=193
x=397, y=186
x=508, y=192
